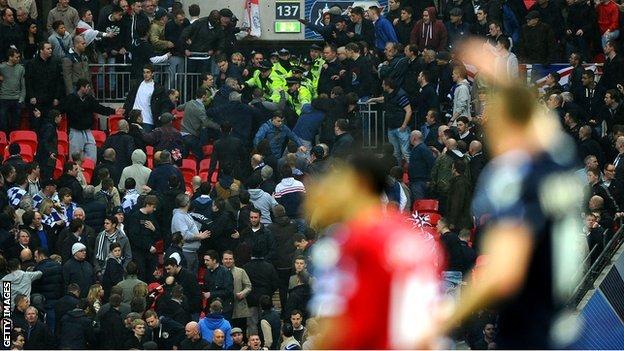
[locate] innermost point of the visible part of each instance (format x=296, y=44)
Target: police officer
x=266, y=79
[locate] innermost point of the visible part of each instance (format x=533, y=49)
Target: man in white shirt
x=148, y=97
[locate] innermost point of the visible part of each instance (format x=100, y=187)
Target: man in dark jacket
x=427, y=99
x=330, y=72
x=154, y=93
x=335, y=107
x=50, y=285
x=143, y=232
x=229, y=150
x=36, y=333
x=76, y=331
x=159, y=178
x=283, y=230
x=238, y=114
x=75, y=234
x=112, y=326
x=69, y=180
x=263, y=278
x=360, y=28
x=343, y=144
x=460, y=194
x=42, y=77
x=201, y=36
x=420, y=164
x=66, y=304
x=80, y=107
x=123, y=144
x=47, y=149
x=78, y=270
x=537, y=41
x=361, y=72
x=10, y=33
x=188, y=282
x=110, y=163
x=165, y=332
x=218, y=282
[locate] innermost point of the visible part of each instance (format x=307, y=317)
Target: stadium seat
x=434, y=217
x=215, y=177
x=3, y=142
x=113, y=123
x=177, y=120
x=24, y=137
x=100, y=137
x=425, y=205
x=203, y=175
x=58, y=169
x=208, y=149
x=204, y=165
x=63, y=143
x=88, y=165
x=189, y=169
x=159, y=246
x=63, y=125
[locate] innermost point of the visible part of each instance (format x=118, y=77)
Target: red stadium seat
x=3, y=142
x=63, y=143
x=113, y=123
x=434, y=217
x=100, y=137
x=88, y=165
x=204, y=165
x=425, y=205
x=149, y=150
x=24, y=137
x=27, y=153
x=189, y=169
x=204, y=176
x=159, y=246
x=208, y=149
x=63, y=125
x=215, y=177
x=58, y=169
x=177, y=120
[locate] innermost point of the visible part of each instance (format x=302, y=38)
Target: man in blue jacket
x=384, y=31
x=213, y=321
x=277, y=133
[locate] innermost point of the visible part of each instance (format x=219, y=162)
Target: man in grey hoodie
x=261, y=200
x=137, y=170
x=21, y=282
x=182, y=222
x=461, y=96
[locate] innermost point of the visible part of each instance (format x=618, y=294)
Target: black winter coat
x=51, y=283
x=76, y=331
x=220, y=284
x=62, y=307
x=283, y=230
x=191, y=289
x=80, y=273
x=537, y=44
x=123, y=144
x=42, y=81
x=263, y=278
x=112, y=328
x=38, y=338
x=203, y=37
x=67, y=181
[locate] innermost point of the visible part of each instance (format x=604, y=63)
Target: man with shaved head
x=421, y=162
x=589, y=146
x=477, y=160
x=193, y=339
x=218, y=340
x=122, y=143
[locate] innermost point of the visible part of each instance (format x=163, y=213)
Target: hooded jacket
x=76, y=331
x=182, y=222
x=137, y=170
x=210, y=323
x=430, y=35
x=21, y=282
x=263, y=202
x=51, y=283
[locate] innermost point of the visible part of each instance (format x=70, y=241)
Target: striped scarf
x=103, y=244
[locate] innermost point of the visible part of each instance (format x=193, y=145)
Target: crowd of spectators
x=136, y=254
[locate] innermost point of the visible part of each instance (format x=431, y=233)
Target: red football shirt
x=380, y=276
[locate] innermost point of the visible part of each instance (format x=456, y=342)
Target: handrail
x=598, y=265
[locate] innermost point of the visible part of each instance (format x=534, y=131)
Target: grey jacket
x=21, y=283
x=57, y=50
x=195, y=118
x=127, y=285
x=183, y=222
x=263, y=202
x=137, y=170
x=122, y=239
x=461, y=99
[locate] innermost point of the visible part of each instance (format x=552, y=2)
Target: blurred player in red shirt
x=378, y=284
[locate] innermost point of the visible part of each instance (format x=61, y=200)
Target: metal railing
x=587, y=281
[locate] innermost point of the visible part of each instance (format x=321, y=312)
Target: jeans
x=283, y=275
x=193, y=144
x=400, y=141
x=609, y=36
x=252, y=321
x=82, y=141
x=192, y=263
x=452, y=284
x=10, y=115
x=418, y=189
x=199, y=66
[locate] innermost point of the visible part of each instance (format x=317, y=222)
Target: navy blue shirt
x=541, y=193
x=394, y=105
